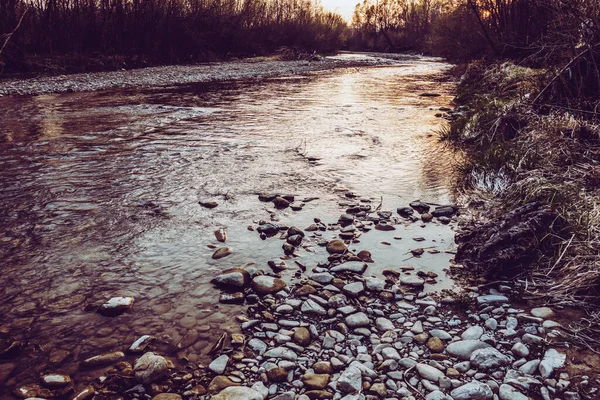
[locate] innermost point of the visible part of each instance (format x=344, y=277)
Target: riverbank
x=246, y=69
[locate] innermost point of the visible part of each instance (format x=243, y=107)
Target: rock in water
x=222, y=252
x=336, y=246
x=150, y=367
x=103, y=359
x=116, y=306
x=232, y=278
x=238, y=393
x=221, y=234
x=55, y=380
x=281, y=203
x=264, y=284
x=208, y=204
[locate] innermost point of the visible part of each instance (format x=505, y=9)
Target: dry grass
x=517, y=155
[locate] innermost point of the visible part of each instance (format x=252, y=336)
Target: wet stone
x=336, y=246
x=150, y=368
x=238, y=393
x=232, y=298
x=55, y=380
x=116, y=306
x=103, y=359
x=222, y=252
x=264, y=284
x=208, y=203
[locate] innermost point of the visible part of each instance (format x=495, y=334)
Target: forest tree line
x=161, y=31
x=174, y=31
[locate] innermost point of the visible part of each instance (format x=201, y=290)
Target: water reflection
x=99, y=196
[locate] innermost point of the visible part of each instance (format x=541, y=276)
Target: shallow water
x=100, y=194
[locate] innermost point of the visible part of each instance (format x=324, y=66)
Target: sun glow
x=343, y=7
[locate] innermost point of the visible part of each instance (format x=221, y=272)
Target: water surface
x=99, y=197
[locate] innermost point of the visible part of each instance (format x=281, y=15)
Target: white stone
x=489, y=358
x=430, y=373
x=350, y=381
x=150, y=367
x=219, y=364
x=238, y=393
x=281, y=352
x=508, y=392
x=384, y=324
x=357, y=320
x=464, y=348
x=472, y=333
x=472, y=391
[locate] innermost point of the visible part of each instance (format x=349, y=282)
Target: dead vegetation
x=521, y=155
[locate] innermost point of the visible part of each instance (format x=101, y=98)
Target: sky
x=343, y=7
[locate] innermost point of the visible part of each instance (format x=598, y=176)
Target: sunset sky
x=342, y=7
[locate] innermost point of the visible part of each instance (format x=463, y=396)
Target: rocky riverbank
x=342, y=332
x=181, y=74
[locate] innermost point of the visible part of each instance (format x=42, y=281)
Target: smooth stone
x=488, y=359
x=150, y=367
x=507, y=392
x=302, y=336
x=316, y=381
x=140, y=344
x=55, y=380
x=472, y=391
x=233, y=278
x=374, y=284
x=412, y=280
x=551, y=361
x=356, y=267
x=384, y=324
x=257, y=346
x=353, y=289
x=219, y=364
x=491, y=299
x=336, y=246
x=463, y=349
x=103, y=359
x=357, y=320
x=167, y=396
x=264, y=284
x=440, y=334
x=350, y=381
x=219, y=383
x=435, y=345
x=281, y=352
x=430, y=373
x=222, y=252
x=116, y=306
x=542, y=312
x=472, y=333
x=312, y=307
x=238, y=393
x=520, y=350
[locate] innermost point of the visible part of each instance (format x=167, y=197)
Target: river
x=99, y=198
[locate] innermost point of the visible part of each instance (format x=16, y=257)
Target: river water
x=99, y=198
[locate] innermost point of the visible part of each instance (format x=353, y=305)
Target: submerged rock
x=116, y=306
x=222, y=252
x=336, y=246
x=103, y=359
x=150, y=367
